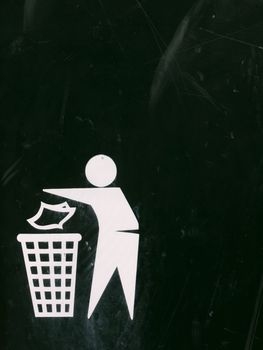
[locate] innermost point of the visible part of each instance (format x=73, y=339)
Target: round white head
x=101, y=170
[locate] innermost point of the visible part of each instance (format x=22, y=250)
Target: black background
x=172, y=91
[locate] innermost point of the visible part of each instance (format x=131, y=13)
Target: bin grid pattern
x=51, y=262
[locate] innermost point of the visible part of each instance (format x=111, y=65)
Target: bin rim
x=35, y=237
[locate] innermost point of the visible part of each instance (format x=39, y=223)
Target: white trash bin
x=51, y=263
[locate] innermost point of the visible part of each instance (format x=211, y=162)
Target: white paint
x=61, y=208
x=116, y=248
x=101, y=170
x=51, y=262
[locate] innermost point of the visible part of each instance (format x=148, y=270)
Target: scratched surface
x=173, y=93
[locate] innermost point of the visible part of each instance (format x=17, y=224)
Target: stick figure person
x=117, y=246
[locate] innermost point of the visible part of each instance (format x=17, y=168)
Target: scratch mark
x=168, y=68
x=203, y=93
x=207, y=42
x=9, y=178
x=255, y=317
x=222, y=36
x=10, y=172
x=156, y=34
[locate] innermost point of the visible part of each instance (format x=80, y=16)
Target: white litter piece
x=51, y=263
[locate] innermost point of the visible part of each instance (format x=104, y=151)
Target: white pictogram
x=61, y=208
x=117, y=246
x=51, y=261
